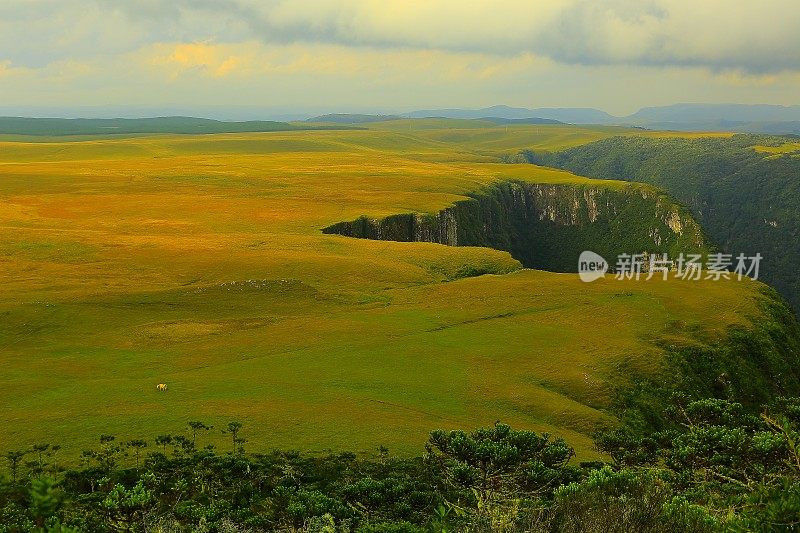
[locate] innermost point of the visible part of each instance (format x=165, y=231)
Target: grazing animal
x=161, y=386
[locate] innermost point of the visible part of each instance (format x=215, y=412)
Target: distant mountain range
x=759, y=118
x=716, y=112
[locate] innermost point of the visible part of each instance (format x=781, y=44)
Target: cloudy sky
x=395, y=55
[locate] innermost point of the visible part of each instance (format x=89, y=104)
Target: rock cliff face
x=547, y=226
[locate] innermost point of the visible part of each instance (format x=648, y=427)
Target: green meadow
x=198, y=261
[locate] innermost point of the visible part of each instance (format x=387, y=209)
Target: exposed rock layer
x=546, y=226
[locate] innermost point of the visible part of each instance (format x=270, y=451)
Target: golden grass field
x=785, y=148
x=198, y=261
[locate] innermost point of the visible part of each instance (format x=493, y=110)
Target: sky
x=397, y=55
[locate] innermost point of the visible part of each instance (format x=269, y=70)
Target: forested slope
x=744, y=190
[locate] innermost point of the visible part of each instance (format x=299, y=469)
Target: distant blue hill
x=745, y=118
x=734, y=113
x=757, y=118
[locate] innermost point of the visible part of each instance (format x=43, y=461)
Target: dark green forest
x=747, y=201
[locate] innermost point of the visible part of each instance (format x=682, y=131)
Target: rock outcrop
x=547, y=226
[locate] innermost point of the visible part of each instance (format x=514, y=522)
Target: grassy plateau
x=198, y=261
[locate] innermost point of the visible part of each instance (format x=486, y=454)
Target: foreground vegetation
x=715, y=466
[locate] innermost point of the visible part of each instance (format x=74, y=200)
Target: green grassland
x=198, y=261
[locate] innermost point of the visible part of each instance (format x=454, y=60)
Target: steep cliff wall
x=546, y=226
x=747, y=200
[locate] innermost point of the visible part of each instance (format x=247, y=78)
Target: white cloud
x=402, y=52
x=717, y=34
